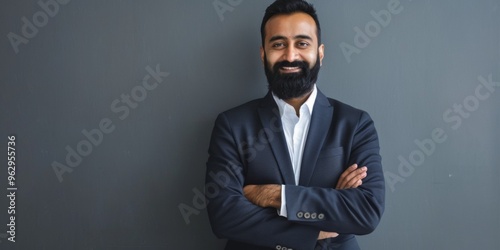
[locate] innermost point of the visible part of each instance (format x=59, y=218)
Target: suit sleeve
x=352, y=211
x=231, y=215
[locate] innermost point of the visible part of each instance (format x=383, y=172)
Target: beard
x=291, y=85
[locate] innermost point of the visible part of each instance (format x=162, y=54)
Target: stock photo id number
x=11, y=187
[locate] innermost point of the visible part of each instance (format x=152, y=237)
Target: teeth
x=290, y=68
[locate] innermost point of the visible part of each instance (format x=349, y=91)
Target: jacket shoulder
x=346, y=109
x=243, y=112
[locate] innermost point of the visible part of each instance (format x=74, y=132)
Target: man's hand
x=264, y=195
x=325, y=235
x=351, y=178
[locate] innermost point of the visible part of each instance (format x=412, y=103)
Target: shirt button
x=300, y=215
x=307, y=215
x=313, y=216
x=278, y=247
x=321, y=216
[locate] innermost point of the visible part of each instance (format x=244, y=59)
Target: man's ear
x=262, y=53
x=321, y=53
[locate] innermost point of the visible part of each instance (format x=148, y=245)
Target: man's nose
x=291, y=54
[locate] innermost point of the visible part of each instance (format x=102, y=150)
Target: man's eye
x=303, y=44
x=278, y=45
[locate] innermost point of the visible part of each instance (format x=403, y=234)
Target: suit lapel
x=273, y=128
x=318, y=129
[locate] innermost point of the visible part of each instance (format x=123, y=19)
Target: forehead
x=291, y=25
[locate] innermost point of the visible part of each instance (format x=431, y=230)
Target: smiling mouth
x=290, y=69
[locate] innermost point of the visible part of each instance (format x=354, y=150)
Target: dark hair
x=289, y=7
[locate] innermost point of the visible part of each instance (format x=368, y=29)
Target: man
x=283, y=170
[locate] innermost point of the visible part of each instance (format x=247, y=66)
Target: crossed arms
x=247, y=213
x=269, y=195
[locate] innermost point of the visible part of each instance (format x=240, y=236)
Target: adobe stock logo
x=223, y=6
x=217, y=181
x=30, y=28
x=454, y=117
x=120, y=106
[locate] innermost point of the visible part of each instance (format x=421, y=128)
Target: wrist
x=275, y=196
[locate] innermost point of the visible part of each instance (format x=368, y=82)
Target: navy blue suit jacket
x=248, y=147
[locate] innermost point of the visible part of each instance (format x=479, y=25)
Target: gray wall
x=417, y=76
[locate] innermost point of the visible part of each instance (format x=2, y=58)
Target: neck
x=297, y=102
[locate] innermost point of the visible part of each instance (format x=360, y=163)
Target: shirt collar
x=309, y=102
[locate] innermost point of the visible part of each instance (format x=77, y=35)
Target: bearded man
x=295, y=169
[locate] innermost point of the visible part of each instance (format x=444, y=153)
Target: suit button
x=307, y=215
x=278, y=247
x=313, y=216
x=300, y=215
x=321, y=216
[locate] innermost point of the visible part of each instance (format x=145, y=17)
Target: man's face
x=291, y=54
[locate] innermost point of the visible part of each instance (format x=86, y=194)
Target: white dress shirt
x=295, y=129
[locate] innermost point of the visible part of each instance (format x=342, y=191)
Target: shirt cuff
x=283, y=211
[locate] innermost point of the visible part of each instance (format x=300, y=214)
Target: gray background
x=125, y=194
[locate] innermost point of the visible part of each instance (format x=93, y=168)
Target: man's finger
x=352, y=178
x=356, y=177
x=325, y=235
x=343, y=177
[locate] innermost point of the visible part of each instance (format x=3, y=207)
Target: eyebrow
x=279, y=37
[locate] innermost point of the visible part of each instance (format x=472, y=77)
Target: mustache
x=301, y=64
